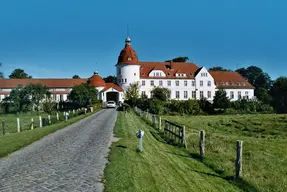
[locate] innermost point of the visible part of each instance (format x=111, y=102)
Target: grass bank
x=160, y=167
x=15, y=141
x=264, y=146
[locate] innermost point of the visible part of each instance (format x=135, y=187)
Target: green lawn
x=160, y=167
x=264, y=146
x=14, y=141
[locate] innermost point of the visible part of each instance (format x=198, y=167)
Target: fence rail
x=174, y=132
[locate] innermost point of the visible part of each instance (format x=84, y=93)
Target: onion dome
x=128, y=55
x=96, y=80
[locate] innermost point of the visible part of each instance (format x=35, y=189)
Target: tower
x=128, y=68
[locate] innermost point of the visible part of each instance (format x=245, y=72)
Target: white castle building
x=184, y=80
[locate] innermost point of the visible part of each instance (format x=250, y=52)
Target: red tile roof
x=96, y=81
x=169, y=68
x=112, y=85
x=128, y=54
x=231, y=80
x=50, y=83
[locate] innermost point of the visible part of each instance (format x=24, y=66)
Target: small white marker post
x=140, y=134
x=85, y=110
x=57, y=116
x=49, y=119
x=32, y=123
x=67, y=114
x=18, y=125
x=40, y=121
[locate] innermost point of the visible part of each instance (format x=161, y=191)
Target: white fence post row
x=18, y=125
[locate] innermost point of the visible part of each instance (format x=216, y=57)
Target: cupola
x=96, y=80
x=128, y=55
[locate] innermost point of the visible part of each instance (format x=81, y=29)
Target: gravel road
x=71, y=159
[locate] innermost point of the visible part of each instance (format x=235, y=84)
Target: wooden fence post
x=18, y=125
x=3, y=127
x=238, y=161
x=32, y=123
x=201, y=144
x=183, y=136
x=40, y=121
x=57, y=116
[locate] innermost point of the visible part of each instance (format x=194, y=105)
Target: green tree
x=263, y=95
x=84, y=94
x=37, y=93
x=49, y=105
x=162, y=94
x=179, y=59
x=250, y=73
x=19, y=74
x=218, y=68
x=110, y=79
x=279, y=94
x=220, y=100
x=76, y=77
x=132, y=92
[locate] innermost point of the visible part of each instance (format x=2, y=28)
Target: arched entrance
x=112, y=96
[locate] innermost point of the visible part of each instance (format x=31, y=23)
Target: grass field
x=14, y=141
x=264, y=146
x=160, y=167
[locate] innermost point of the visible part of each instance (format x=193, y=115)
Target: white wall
x=127, y=74
x=244, y=92
x=207, y=84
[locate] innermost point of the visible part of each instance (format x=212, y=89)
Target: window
x=143, y=93
x=160, y=83
x=143, y=83
x=168, y=83
x=201, y=94
x=190, y=74
x=168, y=73
x=216, y=83
x=135, y=74
x=157, y=74
x=239, y=94
x=231, y=94
x=201, y=83
x=226, y=83
x=193, y=83
x=246, y=92
x=203, y=74
x=185, y=94
x=142, y=74
x=208, y=94
x=185, y=83
x=152, y=83
x=61, y=98
x=223, y=83
x=209, y=83
x=177, y=83
x=243, y=84
x=125, y=80
x=177, y=94
x=193, y=94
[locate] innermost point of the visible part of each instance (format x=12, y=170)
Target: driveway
x=71, y=159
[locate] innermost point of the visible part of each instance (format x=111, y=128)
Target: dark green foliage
x=83, y=94
x=218, y=69
x=178, y=59
x=19, y=74
x=37, y=93
x=159, y=93
x=76, y=77
x=110, y=79
x=220, y=100
x=279, y=94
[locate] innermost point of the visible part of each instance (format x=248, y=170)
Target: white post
x=66, y=116
x=40, y=121
x=73, y=112
x=85, y=110
x=57, y=116
x=49, y=119
x=18, y=125
x=64, y=113
x=32, y=123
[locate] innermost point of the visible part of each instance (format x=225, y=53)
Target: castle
x=184, y=80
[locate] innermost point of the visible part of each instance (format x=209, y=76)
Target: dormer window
x=226, y=83
x=238, y=83
x=243, y=84
x=167, y=67
x=168, y=73
x=129, y=59
x=223, y=83
x=142, y=74
x=190, y=74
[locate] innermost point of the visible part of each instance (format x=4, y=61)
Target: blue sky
x=60, y=38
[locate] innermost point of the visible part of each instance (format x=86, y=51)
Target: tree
x=162, y=94
x=132, y=92
x=37, y=93
x=178, y=59
x=250, y=73
x=218, y=69
x=76, y=77
x=110, y=79
x=262, y=94
x=279, y=94
x=263, y=81
x=1, y=73
x=83, y=94
x=220, y=100
x=19, y=74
